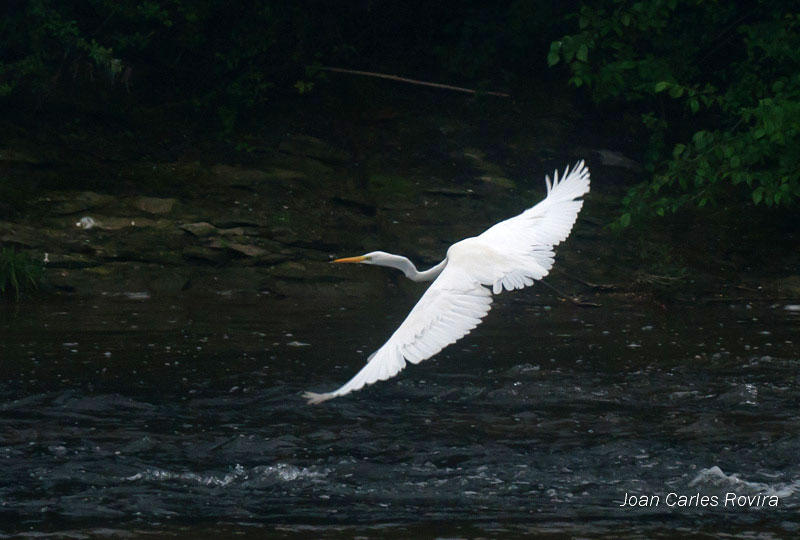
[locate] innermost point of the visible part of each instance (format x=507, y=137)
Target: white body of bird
x=509, y=255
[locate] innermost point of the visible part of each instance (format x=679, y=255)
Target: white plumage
x=509, y=255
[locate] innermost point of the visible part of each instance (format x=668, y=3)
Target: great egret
x=511, y=255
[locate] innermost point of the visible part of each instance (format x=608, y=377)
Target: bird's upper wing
x=511, y=254
x=452, y=306
x=526, y=241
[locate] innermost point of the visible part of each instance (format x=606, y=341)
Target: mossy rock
x=248, y=250
x=492, y=173
x=114, y=223
x=70, y=260
x=153, y=205
x=391, y=186
x=207, y=254
x=229, y=175
x=64, y=203
x=200, y=229
x=24, y=235
x=498, y=181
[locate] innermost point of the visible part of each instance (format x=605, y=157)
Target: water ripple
x=238, y=476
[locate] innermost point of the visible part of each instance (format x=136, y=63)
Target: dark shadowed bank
x=162, y=210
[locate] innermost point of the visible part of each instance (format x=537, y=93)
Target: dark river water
x=133, y=417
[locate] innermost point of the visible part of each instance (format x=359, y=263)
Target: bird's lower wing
x=452, y=306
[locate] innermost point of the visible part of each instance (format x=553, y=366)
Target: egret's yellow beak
x=358, y=259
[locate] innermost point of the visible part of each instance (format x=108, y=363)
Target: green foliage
x=18, y=272
x=227, y=58
x=389, y=185
x=719, y=89
x=223, y=58
x=44, y=44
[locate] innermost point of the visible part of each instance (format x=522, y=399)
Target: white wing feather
x=527, y=240
x=511, y=255
x=449, y=309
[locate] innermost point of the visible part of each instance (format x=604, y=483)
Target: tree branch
x=409, y=81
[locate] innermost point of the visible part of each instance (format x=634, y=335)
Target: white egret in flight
x=511, y=254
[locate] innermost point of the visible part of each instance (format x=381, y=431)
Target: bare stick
x=741, y=299
x=599, y=286
x=410, y=81
x=574, y=299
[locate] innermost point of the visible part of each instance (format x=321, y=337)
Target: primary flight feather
x=509, y=255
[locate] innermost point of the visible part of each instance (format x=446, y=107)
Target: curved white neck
x=410, y=271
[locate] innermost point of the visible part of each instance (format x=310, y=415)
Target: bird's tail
x=315, y=399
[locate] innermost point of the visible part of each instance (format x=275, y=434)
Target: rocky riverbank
x=107, y=217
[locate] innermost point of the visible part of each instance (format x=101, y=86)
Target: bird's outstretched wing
x=511, y=254
x=453, y=305
x=526, y=241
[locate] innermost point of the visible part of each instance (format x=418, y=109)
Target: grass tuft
x=18, y=272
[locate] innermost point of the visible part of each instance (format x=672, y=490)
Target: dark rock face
x=68, y=203
x=153, y=205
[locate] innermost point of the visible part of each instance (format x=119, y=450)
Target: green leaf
x=625, y=220
x=678, y=150
x=661, y=86
x=758, y=193
x=694, y=105
x=554, y=55
x=583, y=53
x=702, y=139
x=676, y=91
x=303, y=87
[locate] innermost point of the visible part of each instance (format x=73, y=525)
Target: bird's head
x=373, y=257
